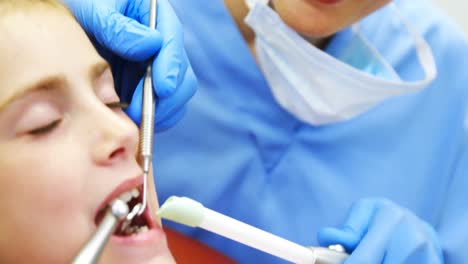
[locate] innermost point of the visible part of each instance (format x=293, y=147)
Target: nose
x=115, y=136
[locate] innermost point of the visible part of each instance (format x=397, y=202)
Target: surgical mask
x=318, y=88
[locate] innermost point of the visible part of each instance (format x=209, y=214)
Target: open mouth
x=139, y=224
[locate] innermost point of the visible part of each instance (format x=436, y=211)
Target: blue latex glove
x=118, y=30
x=379, y=231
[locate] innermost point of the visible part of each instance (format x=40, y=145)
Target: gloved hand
x=119, y=32
x=379, y=231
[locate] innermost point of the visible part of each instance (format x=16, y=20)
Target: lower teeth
x=135, y=230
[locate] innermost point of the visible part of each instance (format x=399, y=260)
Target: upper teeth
x=127, y=196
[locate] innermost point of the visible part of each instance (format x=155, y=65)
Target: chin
x=161, y=259
x=320, y=28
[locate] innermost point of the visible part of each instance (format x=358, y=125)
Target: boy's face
x=64, y=149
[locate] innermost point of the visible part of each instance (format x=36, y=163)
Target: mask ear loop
x=424, y=52
x=355, y=28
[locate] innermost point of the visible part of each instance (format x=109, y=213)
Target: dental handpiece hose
x=91, y=252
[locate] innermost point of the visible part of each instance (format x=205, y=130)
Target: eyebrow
x=46, y=83
x=52, y=82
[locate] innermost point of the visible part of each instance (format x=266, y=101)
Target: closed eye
x=114, y=105
x=45, y=129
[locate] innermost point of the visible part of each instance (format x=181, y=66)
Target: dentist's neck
x=239, y=11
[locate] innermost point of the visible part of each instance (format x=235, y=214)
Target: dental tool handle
x=147, y=116
x=91, y=252
x=189, y=212
x=148, y=107
x=256, y=238
x=269, y=243
x=147, y=120
x=146, y=133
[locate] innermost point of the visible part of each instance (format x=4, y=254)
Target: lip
x=329, y=2
x=141, y=247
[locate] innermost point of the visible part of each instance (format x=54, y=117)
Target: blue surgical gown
x=238, y=152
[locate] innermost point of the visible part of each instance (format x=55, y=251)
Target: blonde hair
x=7, y=6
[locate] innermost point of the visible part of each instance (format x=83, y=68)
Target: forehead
x=41, y=42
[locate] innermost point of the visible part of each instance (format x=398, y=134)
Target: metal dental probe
x=91, y=252
x=146, y=127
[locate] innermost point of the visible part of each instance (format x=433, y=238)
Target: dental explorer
x=91, y=252
x=146, y=127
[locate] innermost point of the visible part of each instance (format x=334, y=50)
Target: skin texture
x=63, y=150
x=310, y=18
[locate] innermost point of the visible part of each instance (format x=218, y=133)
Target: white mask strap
x=423, y=50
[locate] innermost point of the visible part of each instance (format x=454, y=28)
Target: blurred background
x=455, y=9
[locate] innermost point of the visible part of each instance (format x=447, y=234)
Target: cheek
x=45, y=178
x=41, y=195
